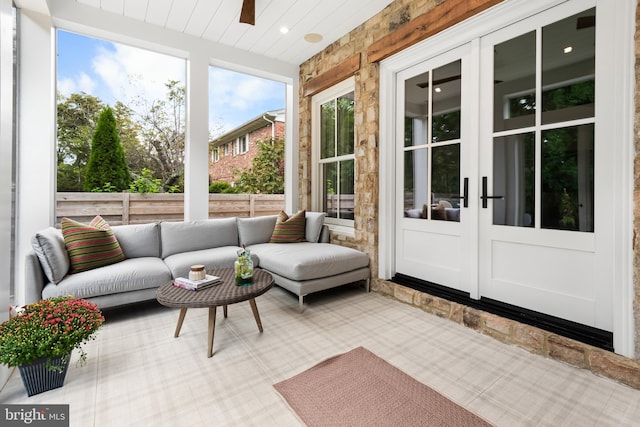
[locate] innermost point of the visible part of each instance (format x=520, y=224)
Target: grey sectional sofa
x=156, y=253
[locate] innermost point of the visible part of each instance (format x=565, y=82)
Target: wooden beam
x=437, y=19
x=335, y=75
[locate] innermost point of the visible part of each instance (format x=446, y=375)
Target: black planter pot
x=38, y=377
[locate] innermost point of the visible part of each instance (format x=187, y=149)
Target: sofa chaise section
x=304, y=267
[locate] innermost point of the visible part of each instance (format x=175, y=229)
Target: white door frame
x=621, y=52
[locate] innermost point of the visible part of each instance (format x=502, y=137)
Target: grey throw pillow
x=48, y=245
x=313, y=227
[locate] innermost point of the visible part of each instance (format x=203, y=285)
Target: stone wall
x=366, y=117
x=366, y=207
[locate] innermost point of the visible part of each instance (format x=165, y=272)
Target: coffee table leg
x=183, y=312
x=212, y=326
x=224, y=309
x=256, y=315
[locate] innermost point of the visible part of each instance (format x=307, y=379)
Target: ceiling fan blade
x=585, y=22
x=248, y=13
x=439, y=82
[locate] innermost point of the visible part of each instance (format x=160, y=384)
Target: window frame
x=343, y=226
x=241, y=145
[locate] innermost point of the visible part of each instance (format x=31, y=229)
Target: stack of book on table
x=194, y=285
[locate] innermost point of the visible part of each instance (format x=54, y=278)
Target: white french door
x=435, y=219
x=544, y=236
x=504, y=167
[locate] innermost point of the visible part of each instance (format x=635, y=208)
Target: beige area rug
x=359, y=388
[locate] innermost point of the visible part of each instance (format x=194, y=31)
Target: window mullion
x=429, y=142
x=538, y=134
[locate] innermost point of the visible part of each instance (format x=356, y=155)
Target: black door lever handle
x=484, y=196
x=465, y=193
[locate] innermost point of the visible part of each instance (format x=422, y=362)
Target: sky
x=116, y=72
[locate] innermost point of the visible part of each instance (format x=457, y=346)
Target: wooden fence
x=136, y=208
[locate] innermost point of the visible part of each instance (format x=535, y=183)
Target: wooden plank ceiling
x=218, y=21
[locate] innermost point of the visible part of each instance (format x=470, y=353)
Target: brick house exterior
x=237, y=148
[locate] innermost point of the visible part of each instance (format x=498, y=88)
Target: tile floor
x=139, y=375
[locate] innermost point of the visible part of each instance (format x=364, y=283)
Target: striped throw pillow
x=90, y=246
x=289, y=229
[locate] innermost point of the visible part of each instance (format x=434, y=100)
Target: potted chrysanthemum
x=39, y=338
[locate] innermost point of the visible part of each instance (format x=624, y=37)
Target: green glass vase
x=243, y=267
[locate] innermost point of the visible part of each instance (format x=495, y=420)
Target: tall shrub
x=107, y=163
x=266, y=174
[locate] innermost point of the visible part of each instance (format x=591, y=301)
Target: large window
x=242, y=111
x=145, y=91
x=333, y=130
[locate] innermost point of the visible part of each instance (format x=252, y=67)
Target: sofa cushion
x=305, y=261
x=48, y=245
x=256, y=229
x=90, y=245
x=313, y=228
x=222, y=257
x=178, y=237
x=128, y=275
x=289, y=229
x=138, y=240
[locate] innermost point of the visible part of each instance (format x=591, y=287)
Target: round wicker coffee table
x=223, y=295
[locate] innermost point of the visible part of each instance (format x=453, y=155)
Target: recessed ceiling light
x=438, y=90
x=284, y=30
x=313, y=37
x=568, y=49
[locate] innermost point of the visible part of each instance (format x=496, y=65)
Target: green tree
x=221, y=187
x=107, y=160
x=162, y=133
x=266, y=174
x=136, y=155
x=77, y=116
x=145, y=183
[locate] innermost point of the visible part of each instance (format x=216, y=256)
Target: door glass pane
x=415, y=131
x=568, y=68
x=330, y=189
x=345, y=124
x=514, y=76
x=446, y=102
x=327, y=130
x=567, y=178
x=416, y=109
x=445, y=182
x=346, y=201
x=416, y=191
x=514, y=180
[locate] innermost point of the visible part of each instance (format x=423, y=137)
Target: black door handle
x=465, y=193
x=484, y=196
